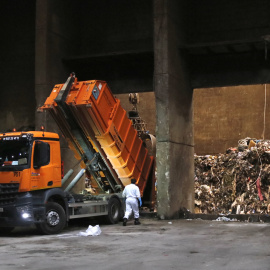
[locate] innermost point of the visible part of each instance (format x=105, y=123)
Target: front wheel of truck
x=55, y=219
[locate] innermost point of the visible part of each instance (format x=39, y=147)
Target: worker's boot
x=125, y=222
x=137, y=222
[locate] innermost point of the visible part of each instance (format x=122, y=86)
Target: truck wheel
x=55, y=219
x=6, y=230
x=114, y=211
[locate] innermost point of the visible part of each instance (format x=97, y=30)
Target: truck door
x=45, y=172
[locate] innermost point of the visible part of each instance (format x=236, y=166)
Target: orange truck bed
x=104, y=122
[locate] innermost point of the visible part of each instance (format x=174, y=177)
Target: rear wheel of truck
x=114, y=211
x=55, y=219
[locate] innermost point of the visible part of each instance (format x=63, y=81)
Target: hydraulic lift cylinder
x=75, y=180
x=67, y=175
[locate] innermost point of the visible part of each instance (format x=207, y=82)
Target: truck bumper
x=21, y=213
x=9, y=217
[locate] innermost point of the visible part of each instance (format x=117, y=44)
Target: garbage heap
x=236, y=182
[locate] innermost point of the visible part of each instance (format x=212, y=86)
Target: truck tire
x=114, y=211
x=55, y=219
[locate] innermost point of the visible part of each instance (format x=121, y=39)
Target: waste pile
x=236, y=182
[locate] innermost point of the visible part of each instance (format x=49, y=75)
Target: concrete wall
x=146, y=108
x=17, y=68
x=120, y=26
x=224, y=115
x=223, y=20
x=115, y=44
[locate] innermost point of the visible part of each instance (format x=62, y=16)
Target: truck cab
x=30, y=169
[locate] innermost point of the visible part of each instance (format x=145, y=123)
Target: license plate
x=1, y=210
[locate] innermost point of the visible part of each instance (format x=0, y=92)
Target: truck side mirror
x=41, y=154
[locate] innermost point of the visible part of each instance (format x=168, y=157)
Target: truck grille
x=8, y=193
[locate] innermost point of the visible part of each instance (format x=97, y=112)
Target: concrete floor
x=156, y=244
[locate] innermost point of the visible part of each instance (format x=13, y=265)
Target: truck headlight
x=26, y=215
x=25, y=211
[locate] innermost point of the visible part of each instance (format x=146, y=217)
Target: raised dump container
x=100, y=115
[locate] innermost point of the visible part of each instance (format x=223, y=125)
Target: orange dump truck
x=103, y=139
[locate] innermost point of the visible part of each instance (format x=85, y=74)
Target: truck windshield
x=14, y=151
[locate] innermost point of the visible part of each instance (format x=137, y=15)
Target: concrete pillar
x=55, y=38
x=175, y=150
x=53, y=42
x=41, y=65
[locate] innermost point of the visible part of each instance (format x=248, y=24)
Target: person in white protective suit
x=133, y=198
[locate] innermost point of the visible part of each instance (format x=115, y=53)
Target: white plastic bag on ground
x=225, y=219
x=92, y=230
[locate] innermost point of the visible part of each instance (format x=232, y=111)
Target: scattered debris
x=225, y=219
x=236, y=182
x=92, y=230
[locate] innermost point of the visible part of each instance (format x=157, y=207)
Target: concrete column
x=53, y=42
x=41, y=65
x=175, y=150
x=55, y=37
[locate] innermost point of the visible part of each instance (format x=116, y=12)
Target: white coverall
x=132, y=193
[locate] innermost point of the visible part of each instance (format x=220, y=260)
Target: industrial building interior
x=161, y=49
